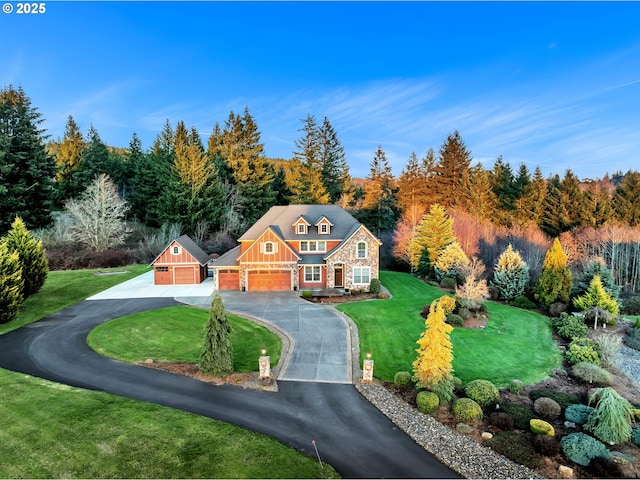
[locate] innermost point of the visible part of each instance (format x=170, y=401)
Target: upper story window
x=361, y=250
x=324, y=228
x=301, y=228
x=268, y=247
x=175, y=250
x=313, y=246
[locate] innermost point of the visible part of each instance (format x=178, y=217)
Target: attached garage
x=260, y=280
x=228, y=279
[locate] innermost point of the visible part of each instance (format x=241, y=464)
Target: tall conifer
x=216, y=357
x=31, y=253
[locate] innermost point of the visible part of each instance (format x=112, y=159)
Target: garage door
x=162, y=276
x=269, y=280
x=184, y=275
x=228, y=280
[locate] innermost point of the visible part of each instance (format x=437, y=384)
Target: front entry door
x=338, y=281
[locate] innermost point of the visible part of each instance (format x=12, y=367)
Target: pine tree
x=95, y=161
x=555, y=281
x=626, y=199
x=433, y=234
x=216, y=357
x=433, y=366
x=31, y=253
x=27, y=172
x=335, y=171
x=478, y=198
x=11, y=284
x=503, y=185
x=532, y=202
x=511, y=274
x=598, y=267
x=379, y=210
x=597, y=296
x=68, y=158
x=450, y=171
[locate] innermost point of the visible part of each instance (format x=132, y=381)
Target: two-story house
x=301, y=247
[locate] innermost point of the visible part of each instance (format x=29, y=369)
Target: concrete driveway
x=320, y=344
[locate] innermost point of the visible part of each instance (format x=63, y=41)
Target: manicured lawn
x=65, y=288
x=515, y=344
x=176, y=334
x=54, y=431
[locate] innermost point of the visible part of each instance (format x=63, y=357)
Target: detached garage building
x=182, y=262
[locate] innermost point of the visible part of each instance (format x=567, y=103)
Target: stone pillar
x=367, y=369
x=264, y=362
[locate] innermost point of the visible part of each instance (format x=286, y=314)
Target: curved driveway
x=351, y=434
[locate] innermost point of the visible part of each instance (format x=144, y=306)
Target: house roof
x=191, y=247
x=284, y=217
x=228, y=259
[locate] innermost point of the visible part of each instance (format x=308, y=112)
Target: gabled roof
x=191, y=247
x=228, y=259
x=348, y=237
x=284, y=217
x=278, y=234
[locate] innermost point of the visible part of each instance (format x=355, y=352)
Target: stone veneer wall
x=347, y=256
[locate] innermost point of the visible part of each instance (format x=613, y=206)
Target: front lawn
x=51, y=430
x=176, y=334
x=515, y=344
x=67, y=287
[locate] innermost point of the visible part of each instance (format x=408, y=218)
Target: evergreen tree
x=556, y=218
x=26, y=170
x=31, y=254
x=68, y=158
x=597, y=296
x=433, y=366
x=599, y=208
x=555, y=281
x=511, y=274
x=11, y=283
x=598, y=267
x=379, y=207
x=412, y=184
x=335, y=171
x=216, y=357
x=479, y=199
x=504, y=187
x=626, y=199
x=434, y=233
x=405, y=247
x=575, y=201
x=95, y=160
x=451, y=262
x=449, y=173
x=532, y=201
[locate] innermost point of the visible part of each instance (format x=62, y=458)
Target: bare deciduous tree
x=98, y=216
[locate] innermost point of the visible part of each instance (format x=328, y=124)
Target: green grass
x=176, y=334
x=516, y=344
x=65, y=288
x=51, y=430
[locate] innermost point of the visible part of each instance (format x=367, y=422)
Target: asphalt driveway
x=351, y=434
x=320, y=349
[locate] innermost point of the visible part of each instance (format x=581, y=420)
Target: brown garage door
x=269, y=280
x=184, y=275
x=162, y=276
x=228, y=280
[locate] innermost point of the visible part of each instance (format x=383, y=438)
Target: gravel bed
x=629, y=363
x=461, y=454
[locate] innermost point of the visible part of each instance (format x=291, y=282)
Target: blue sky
x=549, y=84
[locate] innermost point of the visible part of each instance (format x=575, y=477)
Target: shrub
x=635, y=435
x=502, y=420
x=590, y=373
x=611, y=419
x=597, y=296
x=578, y=413
x=464, y=428
x=546, y=445
x=521, y=415
x=516, y=387
x=632, y=339
x=596, y=316
x=581, y=448
x=464, y=312
x=605, y=468
x=563, y=399
x=455, y=320
x=610, y=346
x=483, y=392
x=448, y=283
x=444, y=390
x=516, y=447
x=467, y=410
x=582, y=350
x=631, y=306
x=522, y=302
x=572, y=327
x=511, y=274
x=540, y=427
x=547, y=408
x=457, y=384
x=307, y=294
x=374, y=285
x=383, y=295
x=427, y=402
x=402, y=379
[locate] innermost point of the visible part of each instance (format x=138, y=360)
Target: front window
x=361, y=275
x=361, y=250
x=313, y=246
x=312, y=273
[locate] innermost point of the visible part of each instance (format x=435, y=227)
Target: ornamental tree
x=11, y=283
x=451, y=262
x=555, y=280
x=434, y=233
x=596, y=266
x=216, y=357
x=33, y=261
x=597, y=296
x=511, y=274
x=433, y=368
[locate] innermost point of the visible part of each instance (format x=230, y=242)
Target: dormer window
x=302, y=229
x=324, y=228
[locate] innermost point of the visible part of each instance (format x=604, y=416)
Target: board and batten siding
x=256, y=252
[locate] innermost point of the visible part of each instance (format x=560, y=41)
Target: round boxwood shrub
x=582, y=350
x=572, y=327
x=522, y=302
x=581, y=448
x=455, y=320
x=374, y=286
x=521, y=414
x=516, y=387
x=563, y=399
x=402, y=379
x=590, y=373
x=578, y=413
x=467, y=410
x=457, y=384
x=427, y=402
x=483, y=392
x=383, y=295
x=540, y=427
x=547, y=408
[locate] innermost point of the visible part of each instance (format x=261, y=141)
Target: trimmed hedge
x=483, y=392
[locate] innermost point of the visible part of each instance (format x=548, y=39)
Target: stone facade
x=347, y=256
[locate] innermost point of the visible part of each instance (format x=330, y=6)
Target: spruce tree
x=626, y=199
x=335, y=171
x=597, y=296
x=216, y=357
x=450, y=171
x=433, y=234
x=379, y=210
x=68, y=158
x=31, y=253
x=27, y=171
x=11, y=283
x=555, y=281
x=597, y=266
x=511, y=274
x=478, y=198
x=531, y=203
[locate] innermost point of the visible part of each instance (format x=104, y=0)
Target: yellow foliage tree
x=434, y=233
x=435, y=353
x=452, y=261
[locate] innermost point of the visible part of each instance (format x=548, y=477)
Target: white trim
x=313, y=267
x=176, y=249
x=317, y=243
x=362, y=269
x=265, y=248
x=366, y=250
